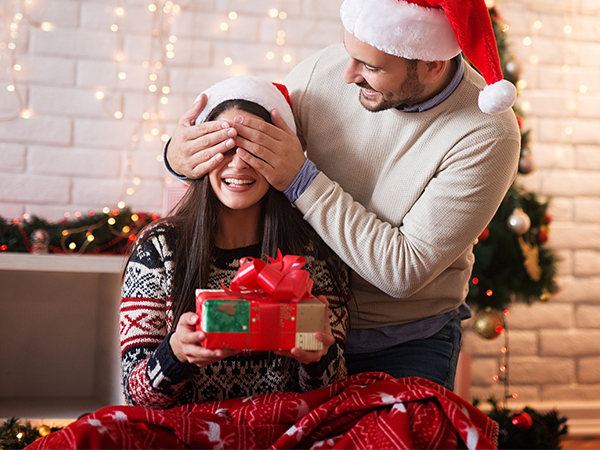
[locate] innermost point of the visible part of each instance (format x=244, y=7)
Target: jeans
x=434, y=358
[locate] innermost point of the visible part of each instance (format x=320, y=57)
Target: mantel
x=63, y=263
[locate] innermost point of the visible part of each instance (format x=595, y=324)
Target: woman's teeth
x=230, y=181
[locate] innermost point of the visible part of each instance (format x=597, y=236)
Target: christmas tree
x=512, y=263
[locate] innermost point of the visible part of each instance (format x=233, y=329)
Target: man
x=399, y=183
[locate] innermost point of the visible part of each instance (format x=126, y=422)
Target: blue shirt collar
x=448, y=90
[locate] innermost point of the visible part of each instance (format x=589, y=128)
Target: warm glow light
x=120, y=56
x=118, y=114
x=164, y=137
x=172, y=39
x=130, y=191
x=572, y=104
x=170, y=55
x=135, y=217
x=567, y=29
x=164, y=100
x=527, y=41
x=537, y=24
x=583, y=89
x=152, y=8
x=233, y=15
x=114, y=27
x=287, y=58
x=280, y=41
x=283, y=15
x=46, y=26
x=122, y=75
x=90, y=238
x=12, y=46
x=10, y=88
x=569, y=130
x=154, y=131
x=489, y=292
x=228, y=61
x=119, y=11
x=152, y=88
x=273, y=13
x=72, y=245
x=146, y=116
x=17, y=67
x=99, y=95
x=126, y=229
x=153, y=77
x=566, y=68
x=121, y=205
x=224, y=26
x=166, y=89
x=525, y=106
x=137, y=181
x=169, y=47
x=26, y=114
x=158, y=64
x=281, y=33
x=521, y=84
x=106, y=210
x=112, y=221
x=534, y=59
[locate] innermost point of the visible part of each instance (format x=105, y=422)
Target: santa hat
x=434, y=30
x=266, y=94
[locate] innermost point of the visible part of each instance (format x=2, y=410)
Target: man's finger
x=189, y=118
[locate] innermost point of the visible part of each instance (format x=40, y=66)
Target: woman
x=229, y=214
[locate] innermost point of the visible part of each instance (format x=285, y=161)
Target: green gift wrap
x=250, y=321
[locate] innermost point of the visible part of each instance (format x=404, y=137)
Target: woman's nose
x=236, y=161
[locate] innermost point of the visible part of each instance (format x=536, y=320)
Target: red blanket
x=369, y=410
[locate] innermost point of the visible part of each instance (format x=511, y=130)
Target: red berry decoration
x=547, y=219
x=522, y=421
x=542, y=236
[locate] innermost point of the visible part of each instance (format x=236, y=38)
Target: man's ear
x=431, y=71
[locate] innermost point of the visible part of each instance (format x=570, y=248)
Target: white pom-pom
x=497, y=97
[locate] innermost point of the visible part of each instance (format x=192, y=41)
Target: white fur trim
x=401, y=29
x=254, y=89
x=497, y=97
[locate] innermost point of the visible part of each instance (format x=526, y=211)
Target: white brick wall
x=73, y=154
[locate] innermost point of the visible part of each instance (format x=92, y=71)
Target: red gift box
x=267, y=307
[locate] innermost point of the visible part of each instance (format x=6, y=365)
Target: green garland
x=15, y=435
x=108, y=232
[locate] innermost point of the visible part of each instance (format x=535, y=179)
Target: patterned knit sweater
x=154, y=377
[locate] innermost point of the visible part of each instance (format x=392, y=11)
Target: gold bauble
x=44, y=430
x=489, y=323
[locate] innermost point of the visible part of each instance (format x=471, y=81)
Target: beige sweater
x=402, y=197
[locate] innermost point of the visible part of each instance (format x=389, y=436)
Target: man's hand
x=186, y=343
x=326, y=337
x=273, y=151
x=194, y=150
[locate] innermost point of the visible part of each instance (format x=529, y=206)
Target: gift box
x=267, y=307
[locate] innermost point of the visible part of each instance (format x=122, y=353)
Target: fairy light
x=121, y=205
x=273, y=12
x=228, y=61
x=99, y=95
x=11, y=88
x=26, y=114
x=537, y=24
x=46, y=26
x=287, y=58
x=122, y=75
x=282, y=15
x=118, y=114
x=119, y=11
x=534, y=59
x=114, y=27
x=569, y=130
x=119, y=57
x=270, y=55
x=566, y=68
x=17, y=67
x=527, y=41
x=152, y=7
x=567, y=29
x=106, y=210
x=583, y=89
x=233, y=15
x=130, y=191
x=112, y=221
x=224, y=26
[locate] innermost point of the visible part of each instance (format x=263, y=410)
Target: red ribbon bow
x=282, y=280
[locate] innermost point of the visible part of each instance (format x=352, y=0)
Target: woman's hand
x=194, y=150
x=326, y=337
x=186, y=343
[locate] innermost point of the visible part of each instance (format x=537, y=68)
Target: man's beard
x=409, y=94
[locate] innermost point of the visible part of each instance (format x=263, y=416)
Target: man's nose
x=352, y=72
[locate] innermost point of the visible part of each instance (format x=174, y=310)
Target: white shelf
x=62, y=263
x=59, y=329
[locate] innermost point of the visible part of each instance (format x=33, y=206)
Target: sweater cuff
x=302, y=181
x=164, y=370
x=168, y=166
x=315, y=370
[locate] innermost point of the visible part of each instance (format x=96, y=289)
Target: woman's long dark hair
x=197, y=218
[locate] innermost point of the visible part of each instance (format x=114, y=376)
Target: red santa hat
x=258, y=90
x=434, y=30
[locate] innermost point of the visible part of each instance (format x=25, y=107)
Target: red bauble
x=542, y=237
x=522, y=421
x=484, y=234
x=547, y=219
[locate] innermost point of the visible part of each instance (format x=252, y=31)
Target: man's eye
x=371, y=69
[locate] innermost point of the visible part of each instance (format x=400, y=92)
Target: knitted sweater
x=152, y=375
x=402, y=197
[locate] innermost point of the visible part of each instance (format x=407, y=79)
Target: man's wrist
x=302, y=181
x=167, y=165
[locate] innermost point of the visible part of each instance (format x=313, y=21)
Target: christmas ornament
x=40, y=239
x=532, y=259
x=44, y=430
x=522, y=421
x=526, y=165
x=545, y=296
x=542, y=236
x=484, y=235
x=519, y=222
x=489, y=323
x=514, y=67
